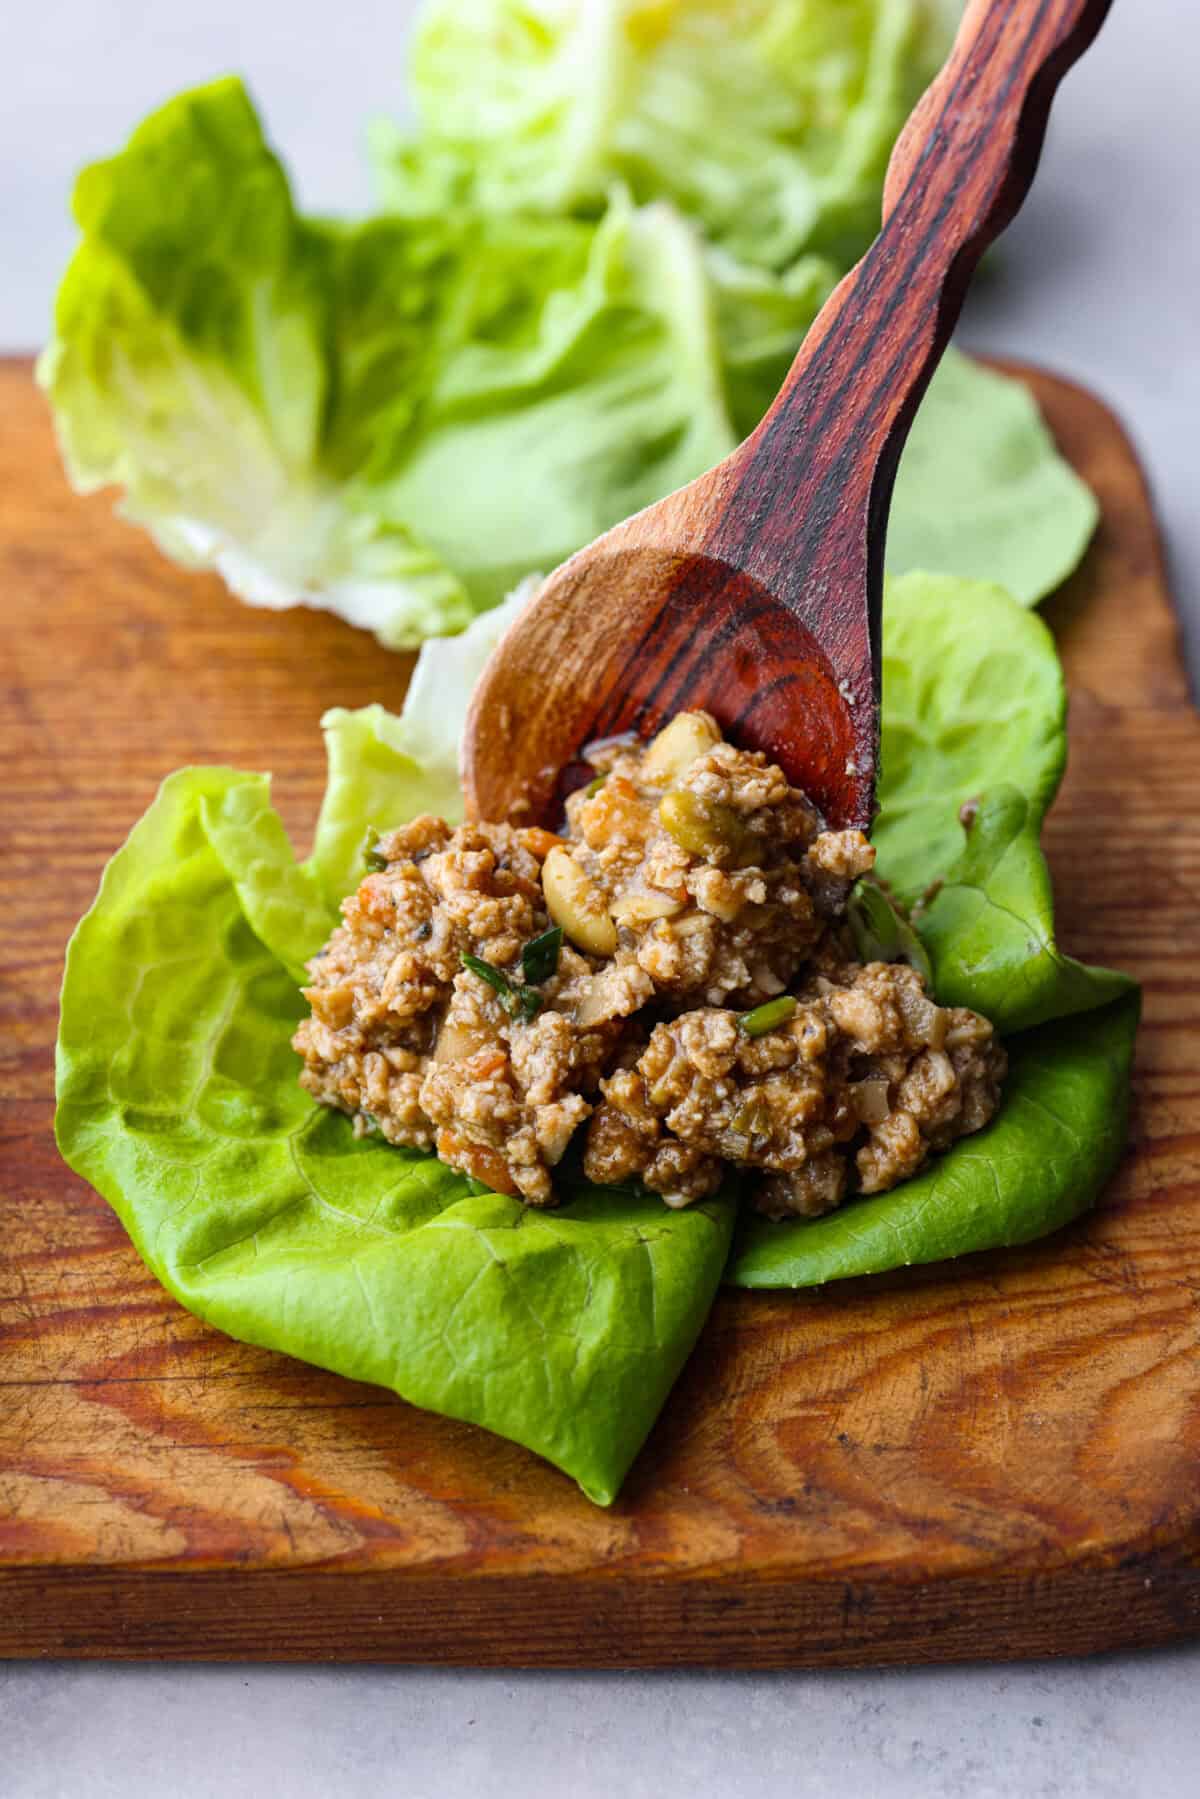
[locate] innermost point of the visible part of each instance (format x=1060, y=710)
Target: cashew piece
x=577, y=904
x=688, y=736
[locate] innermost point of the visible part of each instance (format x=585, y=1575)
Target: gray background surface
x=1099, y=279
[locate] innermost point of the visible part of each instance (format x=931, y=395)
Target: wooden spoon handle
x=803, y=504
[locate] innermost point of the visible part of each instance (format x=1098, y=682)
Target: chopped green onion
x=518, y=1002
x=539, y=958
x=765, y=1018
x=371, y=856
x=594, y=786
x=526, y=1003
x=497, y=981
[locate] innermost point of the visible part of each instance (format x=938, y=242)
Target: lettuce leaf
x=1049, y=1151
x=383, y=768
x=261, y=1213
x=761, y=320
x=394, y=421
x=989, y=931
x=373, y=781
x=191, y=364
x=982, y=491
x=974, y=716
x=769, y=122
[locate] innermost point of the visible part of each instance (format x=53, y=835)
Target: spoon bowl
x=693, y=631
x=755, y=592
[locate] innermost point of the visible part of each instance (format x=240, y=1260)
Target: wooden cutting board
x=994, y=1458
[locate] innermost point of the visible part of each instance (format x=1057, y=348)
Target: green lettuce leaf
x=974, y=716
x=395, y=421
x=761, y=322
x=990, y=930
x=284, y=904
x=982, y=491
x=260, y=1212
x=770, y=122
x=1041, y=1162
x=191, y=364
x=373, y=783
x=384, y=769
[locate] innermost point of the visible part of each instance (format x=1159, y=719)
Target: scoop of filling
x=672, y=974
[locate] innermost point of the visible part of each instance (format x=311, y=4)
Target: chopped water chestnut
x=674, y=979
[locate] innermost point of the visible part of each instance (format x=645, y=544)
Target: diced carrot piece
x=477, y=1160
x=538, y=842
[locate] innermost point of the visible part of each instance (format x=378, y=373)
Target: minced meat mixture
x=671, y=979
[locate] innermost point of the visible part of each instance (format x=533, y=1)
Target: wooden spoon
x=755, y=592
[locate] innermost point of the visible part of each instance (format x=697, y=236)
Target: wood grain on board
x=996, y=1457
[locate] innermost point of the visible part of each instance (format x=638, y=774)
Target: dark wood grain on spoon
x=755, y=591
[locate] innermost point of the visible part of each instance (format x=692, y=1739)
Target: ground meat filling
x=855, y=1090
x=702, y=1007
